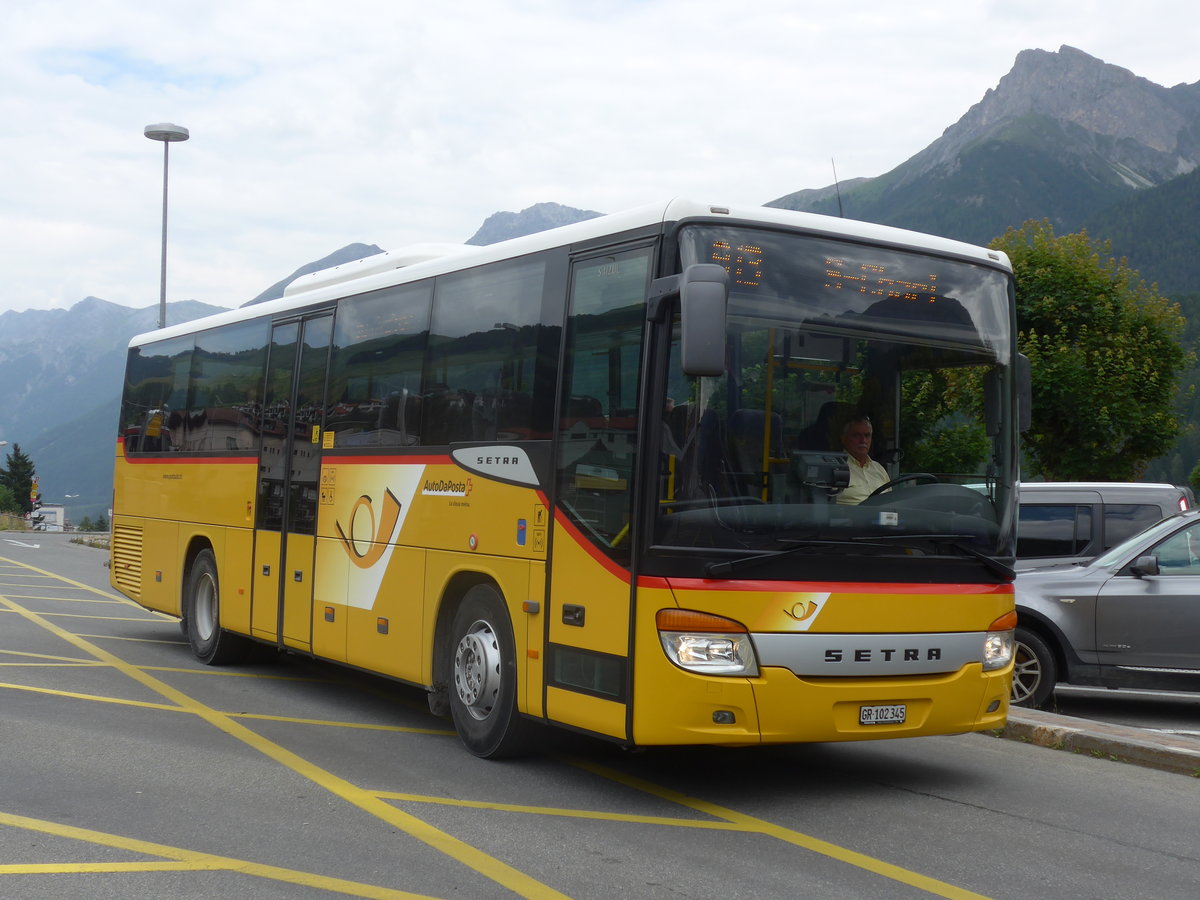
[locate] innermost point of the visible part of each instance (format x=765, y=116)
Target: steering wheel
x=912, y=476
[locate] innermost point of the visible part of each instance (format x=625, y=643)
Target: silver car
x=1128, y=618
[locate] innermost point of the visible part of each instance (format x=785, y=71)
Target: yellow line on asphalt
x=177, y=642
x=761, y=826
x=79, y=584
x=94, y=698
x=58, y=615
x=490, y=867
x=52, y=665
x=182, y=860
x=672, y=821
x=49, y=657
x=107, y=868
x=166, y=707
x=63, y=599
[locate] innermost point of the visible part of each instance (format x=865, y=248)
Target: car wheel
x=210, y=644
x=1034, y=670
x=483, y=676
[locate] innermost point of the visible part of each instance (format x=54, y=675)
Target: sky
x=390, y=122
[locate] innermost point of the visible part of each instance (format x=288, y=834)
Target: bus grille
x=127, y=559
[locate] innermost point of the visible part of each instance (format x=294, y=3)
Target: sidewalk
x=1155, y=750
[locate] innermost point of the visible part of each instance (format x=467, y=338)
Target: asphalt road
x=129, y=770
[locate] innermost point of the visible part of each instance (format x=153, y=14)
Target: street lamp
x=167, y=133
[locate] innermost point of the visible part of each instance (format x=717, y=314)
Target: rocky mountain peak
x=1073, y=86
x=502, y=226
x=1108, y=103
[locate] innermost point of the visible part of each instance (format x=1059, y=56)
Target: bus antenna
x=837, y=187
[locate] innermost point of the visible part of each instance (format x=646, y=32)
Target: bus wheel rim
x=477, y=669
x=206, y=608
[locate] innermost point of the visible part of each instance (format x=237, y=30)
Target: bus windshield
x=866, y=404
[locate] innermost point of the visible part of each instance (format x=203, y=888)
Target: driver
x=865, y=474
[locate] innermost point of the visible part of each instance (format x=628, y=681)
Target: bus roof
x=426, y=260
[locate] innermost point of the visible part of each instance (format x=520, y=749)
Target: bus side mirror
x=703, y=298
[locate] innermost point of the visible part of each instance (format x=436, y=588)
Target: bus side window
x=485, y=334
x=155, y=398
x=374, y=397
x=598, y=417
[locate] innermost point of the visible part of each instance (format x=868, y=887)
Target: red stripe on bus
x=644, y=581
x=430, y=460
x=836, y=587
x=191, y=460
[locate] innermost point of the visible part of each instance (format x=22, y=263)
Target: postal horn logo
x=802, y=609
x=366, y=539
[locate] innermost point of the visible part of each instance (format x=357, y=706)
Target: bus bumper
x=780, y=707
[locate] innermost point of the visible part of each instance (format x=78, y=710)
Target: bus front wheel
x=210, y=644
x=483, y=676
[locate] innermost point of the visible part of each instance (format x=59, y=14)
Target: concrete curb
x=1170, y=753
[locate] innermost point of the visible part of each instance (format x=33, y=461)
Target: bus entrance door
x=288, y=489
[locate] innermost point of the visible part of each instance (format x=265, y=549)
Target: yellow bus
x=595, y=478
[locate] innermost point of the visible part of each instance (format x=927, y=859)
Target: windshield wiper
x=954, y=541
x=728, y=567
x=873, y=542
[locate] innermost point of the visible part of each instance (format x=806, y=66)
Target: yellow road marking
x=166, y=707
x=673, y=821
x=51, y=658
x=761, y=826
x=62, y=615
x=490, y=867
x=180, y=860
x=372, y=802
x=65, y=599
x=79, y=584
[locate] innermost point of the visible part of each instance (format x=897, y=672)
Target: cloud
x=392, y=121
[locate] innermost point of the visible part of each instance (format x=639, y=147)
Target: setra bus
x=593, y=477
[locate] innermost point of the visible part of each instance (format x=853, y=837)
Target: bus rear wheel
x=481, y=662
x=210, y=644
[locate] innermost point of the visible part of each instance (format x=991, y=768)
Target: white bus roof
x=426, y=260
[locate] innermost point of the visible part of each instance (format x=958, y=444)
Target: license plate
x=882, y=715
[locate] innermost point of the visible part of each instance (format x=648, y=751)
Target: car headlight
x=998, y=643
x=706, y=644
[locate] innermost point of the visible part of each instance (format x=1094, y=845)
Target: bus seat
x=823, y=434
x=749, y=433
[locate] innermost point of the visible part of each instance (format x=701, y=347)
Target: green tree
x=8, y=501
x=17, y=476
x=1105, y=353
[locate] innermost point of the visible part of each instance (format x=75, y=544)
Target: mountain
x=349, y=253
x=1156, y=230
x=61, y=371
x=1063, y=136
x=503, y=226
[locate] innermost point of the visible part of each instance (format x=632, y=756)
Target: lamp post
x=167, y=133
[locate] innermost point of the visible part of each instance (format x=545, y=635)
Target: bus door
x=288, y=488
x=587, y=672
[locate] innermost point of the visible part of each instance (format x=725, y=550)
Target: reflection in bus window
x=227, y=371
x=598, y=420
x=375, y=381
x=155, y=402
x=482, y=368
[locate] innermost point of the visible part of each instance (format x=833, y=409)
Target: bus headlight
x=706, y=644
x=998, y=643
